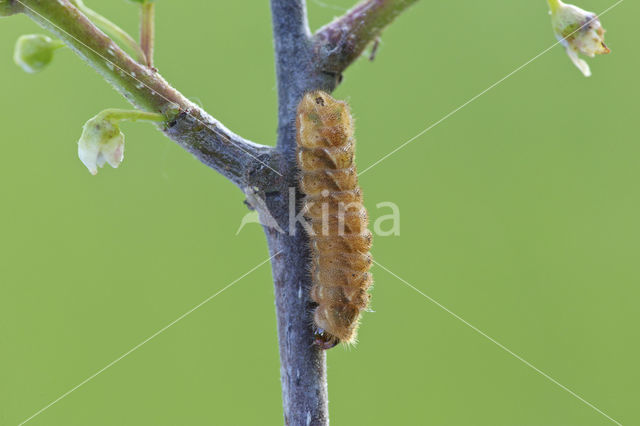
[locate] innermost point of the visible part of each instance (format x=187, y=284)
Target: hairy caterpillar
x=340, y=240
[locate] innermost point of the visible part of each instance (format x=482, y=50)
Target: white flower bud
x=34, y=52
x=101, y=142
x=578, y=31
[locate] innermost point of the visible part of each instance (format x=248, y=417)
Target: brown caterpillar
x=340, y=240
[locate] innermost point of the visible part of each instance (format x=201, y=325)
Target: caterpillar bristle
x=338, y=236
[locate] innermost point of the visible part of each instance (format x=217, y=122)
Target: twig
x=241, y=161
x=9, y=7
x=147, y=30
x=302, y=365
x=342, y=41
x=303, y=64
x=111, y=29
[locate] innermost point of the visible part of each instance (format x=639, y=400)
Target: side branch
x=342, y=41
x=246, y=164
x=234, y=157
x=147, y=30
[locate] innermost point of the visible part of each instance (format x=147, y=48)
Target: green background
x=520, y=213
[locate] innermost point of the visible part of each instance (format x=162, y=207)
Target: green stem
x=114, y=114
x=112, y=29
x=147, y=30
x=146, y=90
x=554, y=5
x=57, y=44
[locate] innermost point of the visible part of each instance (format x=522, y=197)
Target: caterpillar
x=338, y=233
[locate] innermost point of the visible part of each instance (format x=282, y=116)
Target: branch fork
x=304, y=62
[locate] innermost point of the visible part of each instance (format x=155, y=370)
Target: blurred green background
x=520, y=214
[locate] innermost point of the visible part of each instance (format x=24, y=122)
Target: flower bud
x=34, y=52
x=578, y=31
x=101, y=142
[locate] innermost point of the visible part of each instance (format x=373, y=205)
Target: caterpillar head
x=323, y=121
x=324, y=340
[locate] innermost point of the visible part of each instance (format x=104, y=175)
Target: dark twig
x=302, y=365
x=342, y=41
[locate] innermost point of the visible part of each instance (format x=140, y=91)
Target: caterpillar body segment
x=338, y=234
